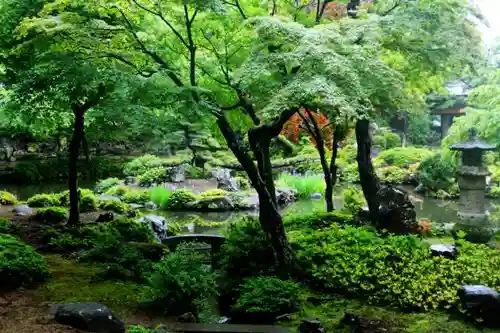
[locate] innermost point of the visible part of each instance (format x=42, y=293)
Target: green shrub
x=379, y=140
x=392, y=140
x=214, y=193
x=401, y=157
x=194, y=172
x=246, y=251
x=106, y=184
x=7, y=198
x=350, y=173
x=268, y=295
x=180, y=282
x=64, y=196
x=243, y=183
x=393, y=174
x=437, y=172
x=137, y=196
x=179, y=198
x=354, y=200
x=317, y=220
x=44, y=200
x=395, y=270
x=132, y=231
x=152, y=176
x=5, y=226
x=51, y=214
x=20, y=265
x=494, y=192
x=304, y=185
x=495, y=174
x=117, y=191
x=115, y=206
x=160, y=196
x=142, y=164
x=88, y=203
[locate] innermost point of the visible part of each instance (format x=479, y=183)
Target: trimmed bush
x=318, y=220
x=392, y=140
x=117, y=191
x=396, y=270
x=214, y=193
x=88, y=203
x=194, y=172
x=106, y=184
x=180, y=282
x=402, y=157
x=113, y=206
x=354, y=200
x=268, y=295
x=44, y=200
x=494, y=192
x=379, y=140
x=142, y=164
x=152, y=176
x=437, y=172
x=52, y=215
x=7, y=198
x=179, y=198
x=64, y=196
x=393, y=174
x=243, y=183
x=137, y=196
x=20, y=265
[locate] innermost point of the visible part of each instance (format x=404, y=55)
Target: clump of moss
x=114, y=206
x=7, y=198
x=51, y=215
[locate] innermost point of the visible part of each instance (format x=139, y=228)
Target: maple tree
x=303, y=121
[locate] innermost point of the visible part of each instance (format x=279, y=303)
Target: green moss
x=392, y=140
x=77, y=282
x=316, y=220
x=7, y=198
x=214, y=193
x=5, y=226
x=117, y=191
x=88, y=203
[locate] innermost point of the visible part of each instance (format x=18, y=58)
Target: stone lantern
x=472, y=212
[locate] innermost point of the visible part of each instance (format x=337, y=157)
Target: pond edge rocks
x=92, y=317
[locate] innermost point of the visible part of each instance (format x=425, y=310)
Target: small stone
x=224, y=320
x=316, y=196
x=481, y=302
x=311, y=326
x=444, y=250
x=105, y=217
x=92, y=317
x=23, y=210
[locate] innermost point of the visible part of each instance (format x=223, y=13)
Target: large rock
x=158, y=223
x=176, y=174
x=224, y=180
x=23, y=210
x=316, y=196
x=105, y=217
x=92, y=317
x=444, y=250
x=481, y=302
x=285, y=195
x=249, y=203
x=221, y=203
x=396, y=212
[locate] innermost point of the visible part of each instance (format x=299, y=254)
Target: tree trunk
x=74, y=150
x=269, y=216
x=367, y=176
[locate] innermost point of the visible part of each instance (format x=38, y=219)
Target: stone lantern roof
x=473, y=143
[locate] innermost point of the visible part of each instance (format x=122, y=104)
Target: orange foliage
x=297, y=123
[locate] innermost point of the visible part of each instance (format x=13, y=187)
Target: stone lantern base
x=477, y=227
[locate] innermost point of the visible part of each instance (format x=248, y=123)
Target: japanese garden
x=248, y=166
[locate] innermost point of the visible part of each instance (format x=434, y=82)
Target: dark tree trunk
x=260, y=144
x=269, y=216
x=74, y=151
x=367, y=176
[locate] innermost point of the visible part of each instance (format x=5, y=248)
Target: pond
x=437, y=210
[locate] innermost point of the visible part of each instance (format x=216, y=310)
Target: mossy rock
x=7, y=198
x=51, y=215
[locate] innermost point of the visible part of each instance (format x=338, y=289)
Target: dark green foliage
x=379, y=140
x=394, y=269
x=142, y=164
x=180, y=282
x=246, y=251
x=44, y=200
x=194, y=172
x=20, y=265
x=318, y=220
x=5, y=226
x=401, y=157
x=392, y=140
x=179, y=199
x=106, y=184
x=268, y=295
x=152, y=176
x=437, y=172
x=88, y=203
x=51, y=215
x=420, y=130
x=354, y=200
x=243, y=182
x=64, y=196
x=113, y=206
x=350, y=173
